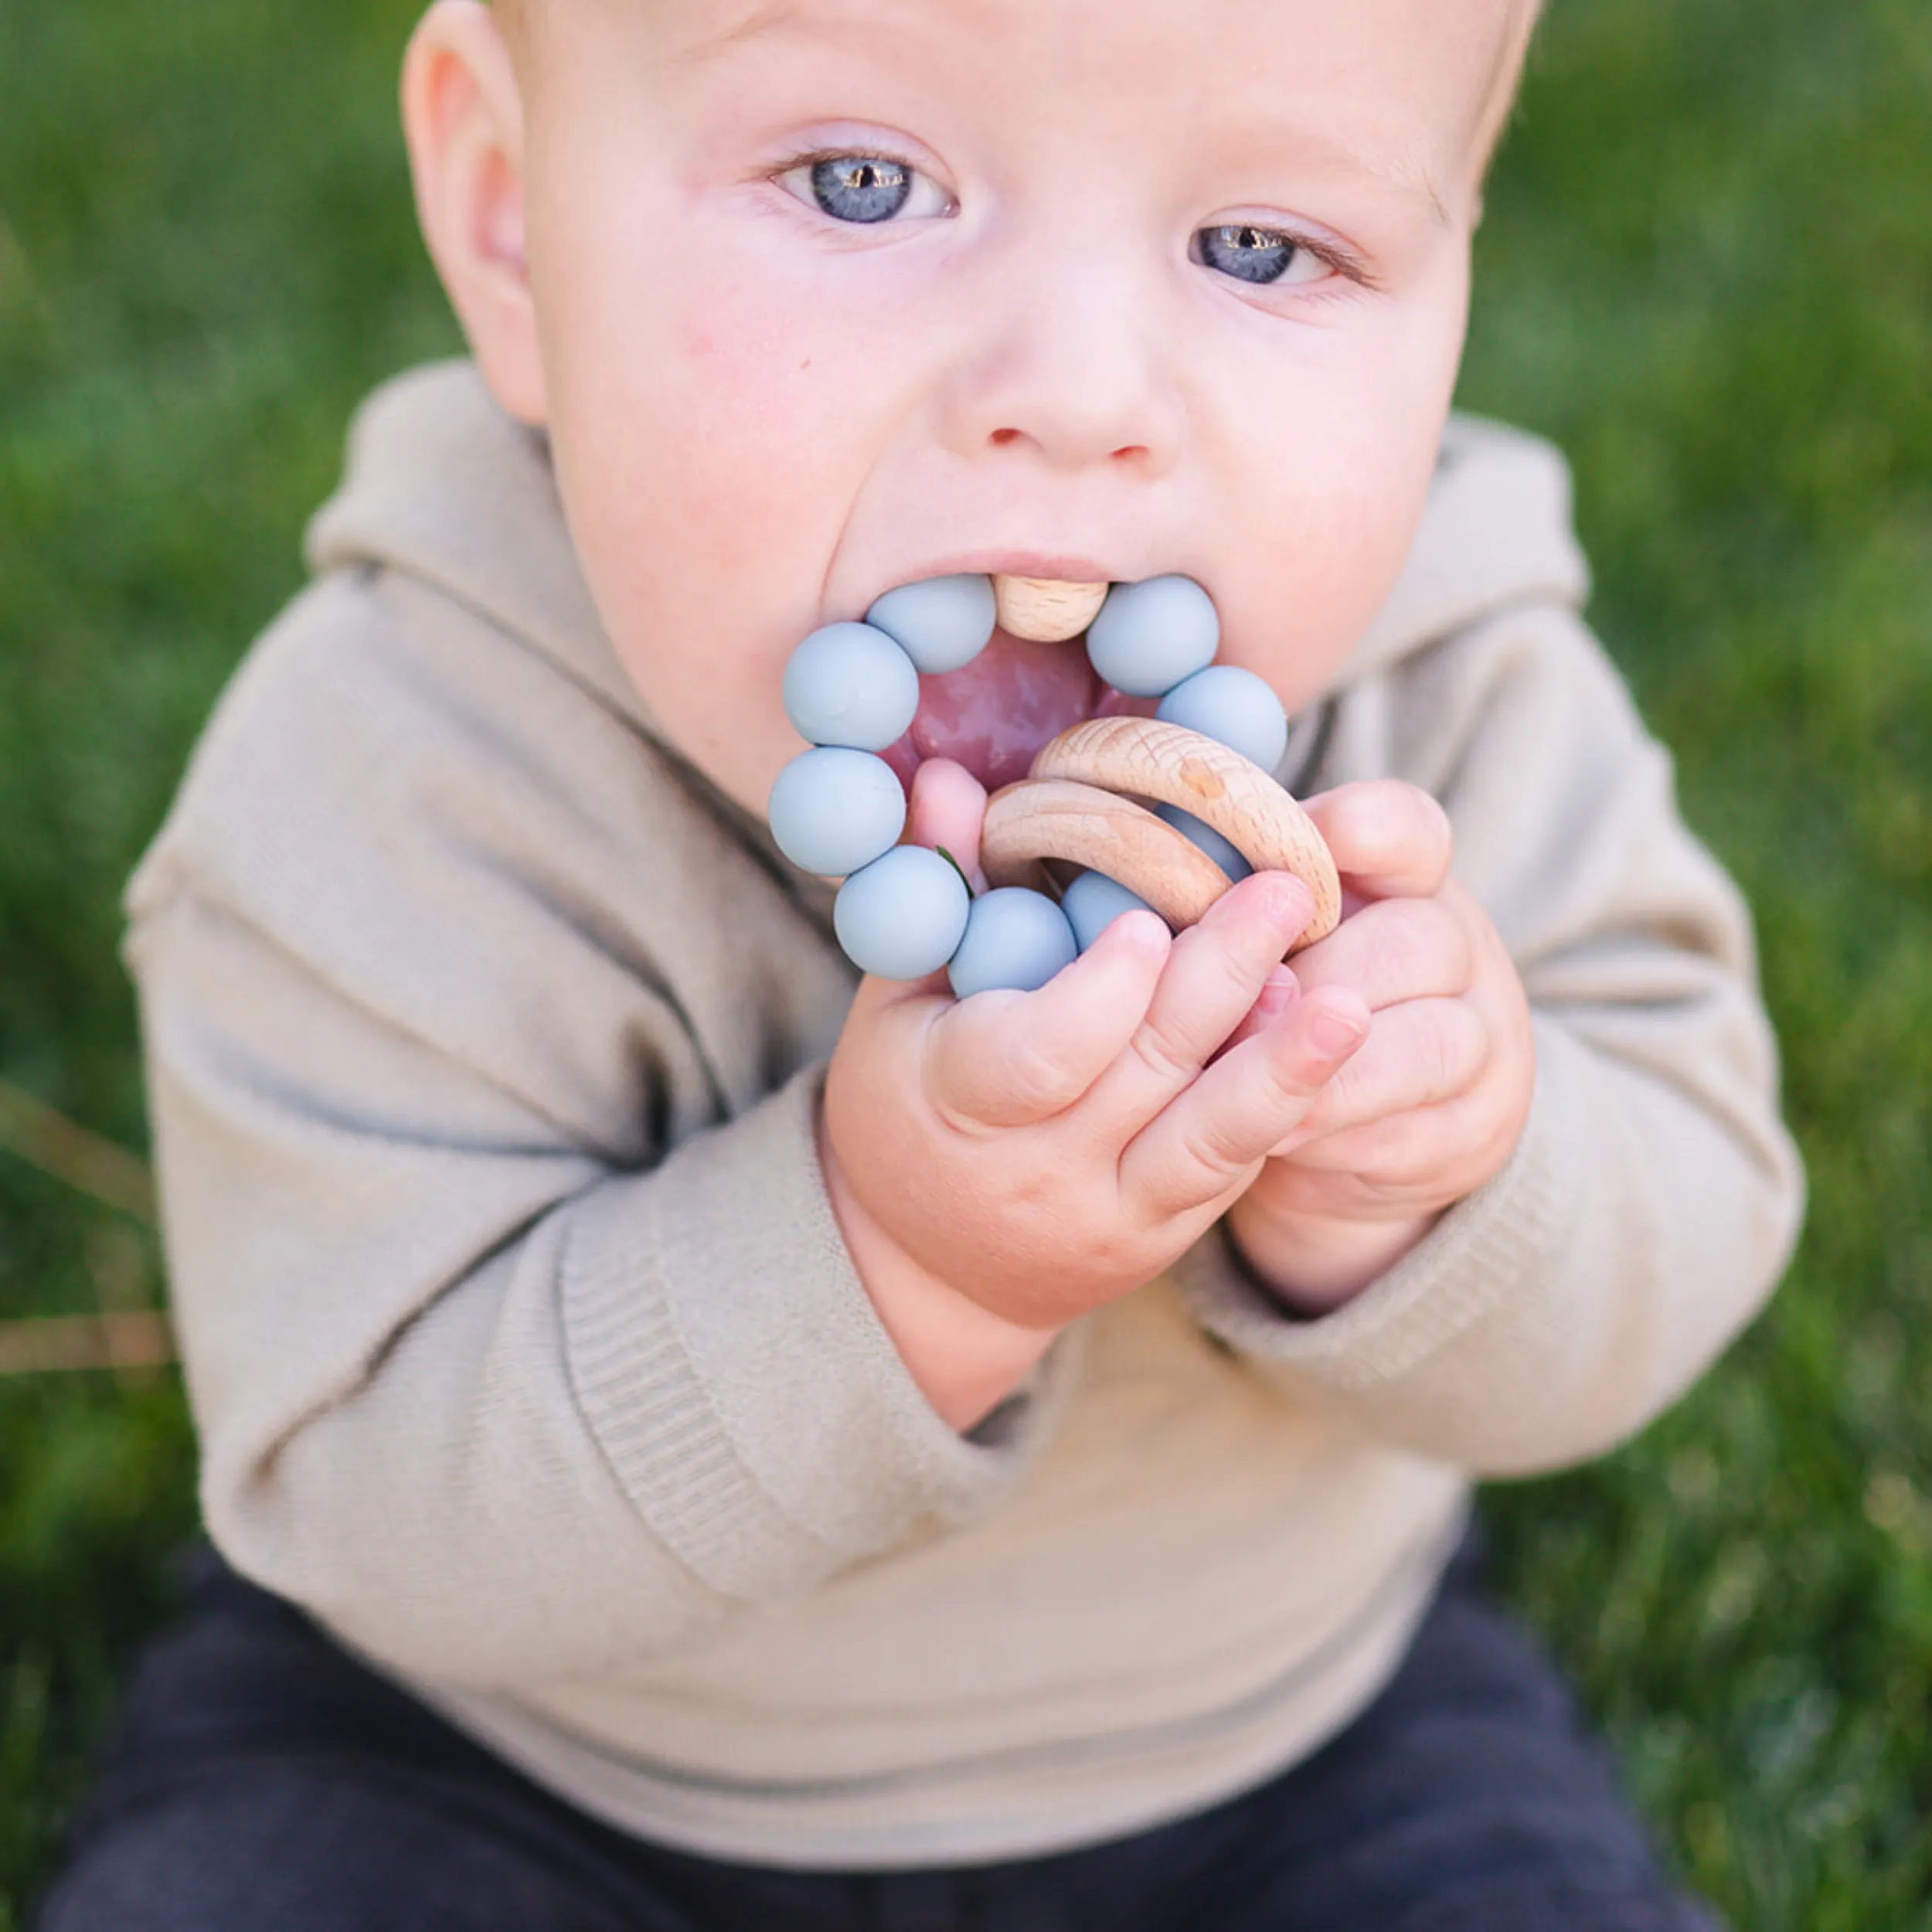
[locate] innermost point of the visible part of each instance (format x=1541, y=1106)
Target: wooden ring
x=1147, y=758
x=1056, y=819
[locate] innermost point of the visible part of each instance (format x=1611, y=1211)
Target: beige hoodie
x=484, y=1039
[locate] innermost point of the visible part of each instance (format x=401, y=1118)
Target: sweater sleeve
x=517, y=1327
x=1654, y=1196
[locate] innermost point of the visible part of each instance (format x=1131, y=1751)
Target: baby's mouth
x=992, y=715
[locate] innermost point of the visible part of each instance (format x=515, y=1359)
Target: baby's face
x=835, y=294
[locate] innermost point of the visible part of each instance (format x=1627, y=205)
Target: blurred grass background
x=1707, y=272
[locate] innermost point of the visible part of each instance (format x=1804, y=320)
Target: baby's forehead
x=1418, y=89
x=703, y=26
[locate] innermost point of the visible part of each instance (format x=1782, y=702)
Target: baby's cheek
x=1294, y=606
x=754, y=432
x=691, y=428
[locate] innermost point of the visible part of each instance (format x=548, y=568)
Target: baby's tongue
x=992, y=715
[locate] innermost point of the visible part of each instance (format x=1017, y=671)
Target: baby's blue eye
x=1252, y=254
x=867, y=189
x=860, y=187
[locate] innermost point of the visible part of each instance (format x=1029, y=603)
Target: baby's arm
x=1645, y=1209
x=520, y=1332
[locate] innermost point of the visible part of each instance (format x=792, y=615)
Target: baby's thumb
x=1389, y=839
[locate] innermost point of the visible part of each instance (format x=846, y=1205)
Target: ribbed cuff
x=1484, y=1254
x=730, y=1363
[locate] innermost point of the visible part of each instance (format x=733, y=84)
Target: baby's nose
x=1078, y=369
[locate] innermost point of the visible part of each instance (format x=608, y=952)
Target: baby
x=749, y=1451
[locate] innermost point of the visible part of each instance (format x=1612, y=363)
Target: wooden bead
x=1146, y=758
x=1055, y=818
x=1046, y=610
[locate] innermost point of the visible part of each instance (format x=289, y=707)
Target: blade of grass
x=56, y=1344
x=36, y=1133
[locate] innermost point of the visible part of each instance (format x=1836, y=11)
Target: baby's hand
x=1002, y=1164
x=1432, y=1105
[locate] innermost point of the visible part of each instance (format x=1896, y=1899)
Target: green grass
x=1709, y=269
x=1707, y=272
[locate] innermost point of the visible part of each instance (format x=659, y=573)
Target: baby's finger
x=1394, y=950
x=1217, y=970
x=1210, y=1139
x=1388, y=839
x=945, y=811
x=1430, y=1152
x=1005, y=1059
x=1279, y=991
x=1418, y=1054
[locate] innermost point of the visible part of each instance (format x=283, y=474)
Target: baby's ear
x=463, y=115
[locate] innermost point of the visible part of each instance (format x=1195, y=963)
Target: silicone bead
x=1015, y=939
x=940, y=623
x=1092, y=902
x=903, y=916
x=833, y=810
x=1220, y=850
x=850, y=684
x=1152, y=634
x=1234, y=707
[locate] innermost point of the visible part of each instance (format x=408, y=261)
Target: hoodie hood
x=443, y=486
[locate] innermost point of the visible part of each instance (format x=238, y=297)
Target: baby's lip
x=1065, y=566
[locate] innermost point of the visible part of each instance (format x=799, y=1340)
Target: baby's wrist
x=965, y=1358
x=1313, y=1264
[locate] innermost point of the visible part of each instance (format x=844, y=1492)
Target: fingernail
x=1279, y=991
x=1289, y=903
x=1144, y=933
x=1301, y=907
x=1269, y=1007
x=1334, y=1034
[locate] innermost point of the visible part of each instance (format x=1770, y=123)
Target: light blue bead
x=1152, y=634
x=940, y=622
x=1015, y=939
x=1234, y=708
x=903, y=916
x=834, y=810
x=849, y=684
x=1218, y=848
x=1092, y=902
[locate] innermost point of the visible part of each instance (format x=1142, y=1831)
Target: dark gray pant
x=262, y=1781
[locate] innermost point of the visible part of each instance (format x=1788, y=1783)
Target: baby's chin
x=992, y=715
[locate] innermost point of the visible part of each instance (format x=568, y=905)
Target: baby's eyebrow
x=771, y=17
x=1417, y=181
x=1410, y=177
x=1407, y=174
x=759, y=22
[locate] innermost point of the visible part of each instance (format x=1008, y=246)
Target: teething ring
x=852, y=689
x=1057, y=818
x=1051, y=815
